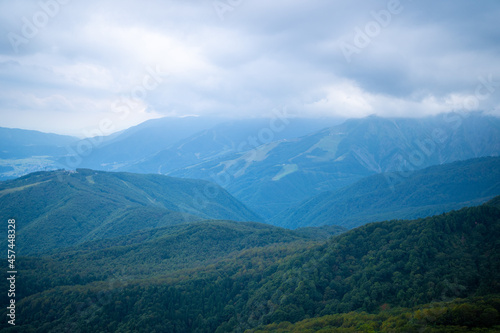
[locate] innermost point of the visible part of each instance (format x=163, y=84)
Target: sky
x=77, y=67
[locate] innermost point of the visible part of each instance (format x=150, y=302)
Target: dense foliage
x=60, y=208
x=400, y=195
x=460, y=315
x=230, y=277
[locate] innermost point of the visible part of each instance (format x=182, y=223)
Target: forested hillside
x=476, y=314
x=264, y=275
x=400, y=195
x=61, y=208
x=294, y=161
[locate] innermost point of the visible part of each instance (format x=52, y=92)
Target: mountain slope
x=60, y=208
x=170, y=250
x=495, y=202
x=281, y=174
x=400, y=195
x=397, y=263
x=140, y=141
x=163, y=145
x=473, y=314
x=25, y=151
x=272, y=278
x=226, y=139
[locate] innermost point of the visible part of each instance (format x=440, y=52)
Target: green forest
x=400, y=195
x=438, y=274
x=61, y=208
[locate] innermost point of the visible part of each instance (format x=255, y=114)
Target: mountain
x=19, y=143
x=63, y=208
x=406, y=195
x=138, y=142
x=275, y=164
x=163, y=145
x=388, y=264
x=280, y=174
x=226, y=139
x=25, y=151
x=473, y=314
x=437, y=273
x=155, y=146
x=495, y=202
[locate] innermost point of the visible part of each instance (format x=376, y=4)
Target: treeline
x=461, y=315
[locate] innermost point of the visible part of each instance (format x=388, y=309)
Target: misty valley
x=183, y=225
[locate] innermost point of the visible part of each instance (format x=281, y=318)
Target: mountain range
x=160, y=229
x=63, y=208
x=58, y=209
x=400, y=195
x=271, y=165
x=26, y=151
x=278, y=175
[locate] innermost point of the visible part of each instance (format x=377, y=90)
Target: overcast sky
x=66, y=66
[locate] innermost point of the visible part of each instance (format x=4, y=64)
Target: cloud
x=76, y=62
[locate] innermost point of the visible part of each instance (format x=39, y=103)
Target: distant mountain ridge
x=272, y=165
x=155, y=146
x=225, y=139
x=380, y=197
x=140, y=141
x=280, y=174
x=25, y=151
x=16, y=138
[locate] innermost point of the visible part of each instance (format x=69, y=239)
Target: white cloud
x=263, y=55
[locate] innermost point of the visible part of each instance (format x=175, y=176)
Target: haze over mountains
x=59, y=209
x=186, y=243
x=271, y=165
x=126, y=150
x=280, y=174
x=23, y=151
